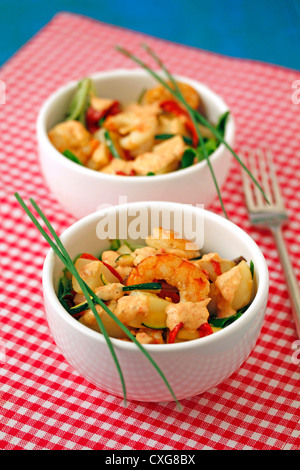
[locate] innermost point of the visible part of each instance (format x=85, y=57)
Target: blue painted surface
x=266, y=30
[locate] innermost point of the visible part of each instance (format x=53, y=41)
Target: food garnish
x=196, y=117
x=91, y=298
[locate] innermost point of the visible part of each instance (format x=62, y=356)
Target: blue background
x=265, y=30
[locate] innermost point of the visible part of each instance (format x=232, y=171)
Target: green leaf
x=70, y=155
x=223, y=322
x=221, y=125
x=210, y=146
x=186, y=140
x=115, y=245
x=188, y=157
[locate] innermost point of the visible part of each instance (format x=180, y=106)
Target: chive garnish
x=79, y=101
x=111, y=145
x=70, y=155
x=91, y=298
x=252, y=268
x=194, y=115
x=144, y=286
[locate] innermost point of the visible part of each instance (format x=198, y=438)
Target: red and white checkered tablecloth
x=45, y=404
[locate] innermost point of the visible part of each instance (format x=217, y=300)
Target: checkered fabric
x=45, y=404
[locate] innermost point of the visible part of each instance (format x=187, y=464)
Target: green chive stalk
x=90, y=296
x=195, y=116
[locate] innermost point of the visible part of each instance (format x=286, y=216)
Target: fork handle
x=291, y=280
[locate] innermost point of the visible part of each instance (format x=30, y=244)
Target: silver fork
x=271, y=214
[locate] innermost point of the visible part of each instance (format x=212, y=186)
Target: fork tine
x=273, y=178
x=247, y=184
x=253, y=163
x=264, y=165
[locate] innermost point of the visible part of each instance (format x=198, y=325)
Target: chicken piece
x=117, y=166
x=232, y=290
x=100, y=104
x=191, y=314
x=149, y=336
x=99, y=158
x=73, y=136
x=113, y=330
x=172, y=125
x=136, y=127
x=132, y=310
x=164, y=158
x=214, y=265
x=171, y=242
x=141, y=253
x=111, y=291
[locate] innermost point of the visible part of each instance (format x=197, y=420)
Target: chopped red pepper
x=88, y=256
x=108, y=266
x=191, y=128
x=217, y=267
x=173, y=333
x=122, y=173
x=93, y=116
x=173, y=107
x=113, y=271
x=205, y=330
x=168, y=291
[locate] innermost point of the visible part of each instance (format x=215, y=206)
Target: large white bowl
x=192, y=367
x=81, y=190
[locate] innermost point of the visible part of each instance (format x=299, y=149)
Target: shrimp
x=170, y=241
x=73, y=136
x=137, y=130
x=160, y=94
x=191, y=281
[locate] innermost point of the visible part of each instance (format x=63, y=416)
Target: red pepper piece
x=173, y=107
x=191, y=129
x=88, y=256
x=108, y=266
x=168, y=291
x=217, y=267
x=113, y=271
x=93, y=116
x=205, y=330
x=122, y=173
x=173, y=333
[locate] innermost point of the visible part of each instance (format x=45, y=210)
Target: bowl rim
x=258, y=301
x=43, y=138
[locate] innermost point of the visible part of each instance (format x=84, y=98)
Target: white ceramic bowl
x=81, y=190
x=192, y=367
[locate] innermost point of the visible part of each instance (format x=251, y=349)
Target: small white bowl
x=192, y=367
x=81, y=190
